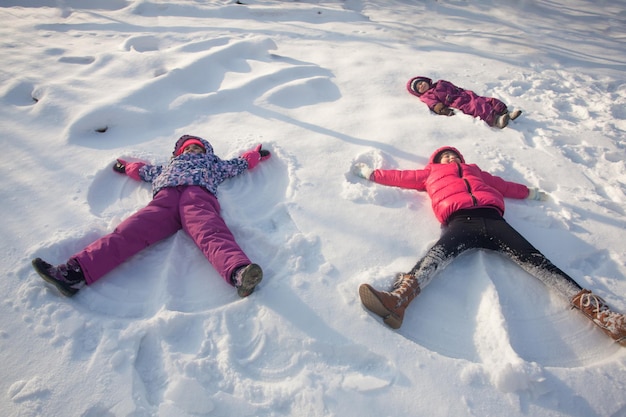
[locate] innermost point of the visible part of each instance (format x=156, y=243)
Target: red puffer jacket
x=452, y=187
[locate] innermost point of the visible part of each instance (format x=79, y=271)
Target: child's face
x=422, y=86
x=193, y=148
x=449, y=157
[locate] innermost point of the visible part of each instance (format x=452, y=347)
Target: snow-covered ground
x=322, y=85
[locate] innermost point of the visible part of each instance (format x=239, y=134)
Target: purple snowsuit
x=184, y=197
x=448, y=94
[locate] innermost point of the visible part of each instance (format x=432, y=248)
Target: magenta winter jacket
x=485, y=108
x=452, y=187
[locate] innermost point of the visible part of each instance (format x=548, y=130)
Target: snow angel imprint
x=469, y=203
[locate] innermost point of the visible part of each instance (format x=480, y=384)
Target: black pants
x=487, y=229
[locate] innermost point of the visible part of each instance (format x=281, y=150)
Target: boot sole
x=40, y=267
x=374, y=304
x=252, y=276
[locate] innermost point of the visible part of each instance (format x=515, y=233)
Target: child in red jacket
x=443, y=96
x=469, y=202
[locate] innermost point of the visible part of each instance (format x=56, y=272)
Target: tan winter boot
x=595, y=308
x=391, y=305
x=502, y=120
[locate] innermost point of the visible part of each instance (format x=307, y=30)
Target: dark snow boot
x=391, y=305
x=596, y=310
x=67, y=278
x=246, y=278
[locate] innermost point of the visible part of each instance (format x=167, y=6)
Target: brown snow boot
x=596, y=310
x=391, y=305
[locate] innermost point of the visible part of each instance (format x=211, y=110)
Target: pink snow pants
x=485, y=108
x=191, y=208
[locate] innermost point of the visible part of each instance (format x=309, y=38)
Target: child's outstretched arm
x=129, y=168
x=253, y=157
x=412, y=179
x=512, y=189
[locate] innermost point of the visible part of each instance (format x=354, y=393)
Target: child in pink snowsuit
x=184, y=197
x=443, y=96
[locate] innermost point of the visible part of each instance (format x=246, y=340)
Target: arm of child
x=511, y=189
x=129, y=168
x=443, y=110
x=411, y=179
x=256, y=155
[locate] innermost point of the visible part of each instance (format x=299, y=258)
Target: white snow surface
x=322, y=85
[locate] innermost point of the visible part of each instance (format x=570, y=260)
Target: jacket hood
x=412, y=87
x=441, y=150
x=181, y=141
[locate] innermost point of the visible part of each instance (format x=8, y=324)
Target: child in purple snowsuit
x=184, y=197
x=442, y=96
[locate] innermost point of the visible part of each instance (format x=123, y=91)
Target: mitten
x=536, y=194
x=255, y=156
x=120, y=166
x=442, y=109
x=129, y=168
x=362, y=170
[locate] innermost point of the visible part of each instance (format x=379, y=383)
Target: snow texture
x=322, y=85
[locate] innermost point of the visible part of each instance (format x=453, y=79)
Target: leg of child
x=460, y=235
x=201, y=219
x=158, y=220
x=516, y=247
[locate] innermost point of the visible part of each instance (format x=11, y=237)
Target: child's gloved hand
x=362, y=170
x=129, y=168
x=442, y=109
x=536, y=194
x=120, y=166
x=255, y=156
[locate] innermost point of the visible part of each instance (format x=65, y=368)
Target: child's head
x=419, y=85
x=191, y=144
x=446, y=155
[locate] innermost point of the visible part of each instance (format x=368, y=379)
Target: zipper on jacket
x=467, y=185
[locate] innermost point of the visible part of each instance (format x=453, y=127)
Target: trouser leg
x=201, y=219
x=158, y=220
x=511, y=243
x=459, y=236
